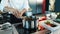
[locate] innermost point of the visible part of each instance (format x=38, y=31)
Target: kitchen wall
x=36, y=6
x=0, y=0
x=57, y=5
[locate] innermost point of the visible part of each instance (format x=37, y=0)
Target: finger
x=14, y=13
x=17, y=15
x=23, y=11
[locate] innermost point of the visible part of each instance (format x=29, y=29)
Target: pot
x=30, y=23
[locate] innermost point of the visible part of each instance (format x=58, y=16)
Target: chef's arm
x=20, y=13
x=23, y=11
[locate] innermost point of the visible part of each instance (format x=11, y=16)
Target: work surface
x=22, y=31
x=18, y=30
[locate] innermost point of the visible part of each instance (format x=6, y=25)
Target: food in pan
x=50, y=24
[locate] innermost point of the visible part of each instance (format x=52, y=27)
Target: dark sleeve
x=15, y=20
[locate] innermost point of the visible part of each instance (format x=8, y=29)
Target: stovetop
x=22, y=30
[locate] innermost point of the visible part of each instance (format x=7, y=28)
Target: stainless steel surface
x=30, y=22
x=14, y=30
x=8, y=31
x=28, y=13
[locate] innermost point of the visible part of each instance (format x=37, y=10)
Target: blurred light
x=40, y=1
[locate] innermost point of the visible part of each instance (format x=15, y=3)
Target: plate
x=42, y=23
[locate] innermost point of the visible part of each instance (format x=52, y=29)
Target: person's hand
x=15, y=12
x=19, y=14
x=10, y=9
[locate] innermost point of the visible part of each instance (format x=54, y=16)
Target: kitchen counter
x=42, y=32
x=24, y=31
x=21, y=30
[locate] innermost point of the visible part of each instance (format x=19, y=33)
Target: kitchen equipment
x=6, y=28
x=1, y=17
x=6, y=17
x=53, y=16
x=30, y=23
x=28, y=13
x=6, y=25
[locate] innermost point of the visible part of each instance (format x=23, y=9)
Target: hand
x=23, y=11
x=19, y=14
x=15, y=12
x=9, y=9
